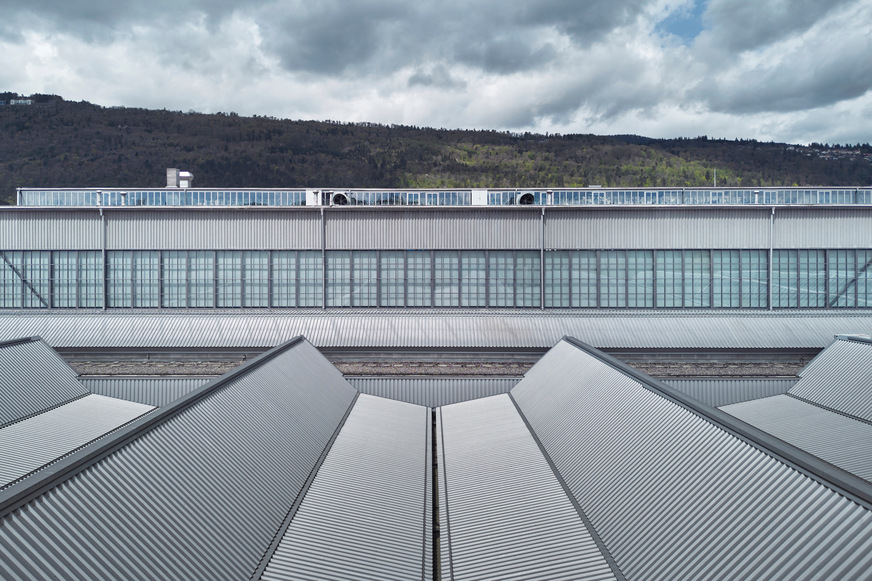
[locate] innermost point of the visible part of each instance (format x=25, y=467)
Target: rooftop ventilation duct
x=525, y=199
x=179, y=179
x=339, y=199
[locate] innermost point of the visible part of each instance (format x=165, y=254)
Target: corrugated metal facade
x=30, y=444
x=458, y=228
x=834, y=438
x=433, y=391
x=239, y=229
x=364, y=514
x=383, y=328
x=33, y=378
x=657, y=228
x=507, y=514
x=722, y=391
x=50, y=229
x=434, y=228
x=823, y=228
x=154, y=391
x=672, y=495
x=200, y=495
x=840, y=378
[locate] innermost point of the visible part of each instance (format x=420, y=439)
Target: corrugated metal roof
x=33, y=378
x=30, y=444
x=154, y=391
x=433, y=391
x=364, y=514
x=723, y=391
x=674, y=496
x=200, y=495
x=679, y=329
x=832, y=437
x=507, y=514
x=840, y=378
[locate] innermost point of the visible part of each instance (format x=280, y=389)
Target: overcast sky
x=786, y=70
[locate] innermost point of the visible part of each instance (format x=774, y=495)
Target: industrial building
x=584, y=468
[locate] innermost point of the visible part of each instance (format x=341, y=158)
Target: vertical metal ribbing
x=323, y=261
x=105, y=269
x=772, y=255
x=542, y=264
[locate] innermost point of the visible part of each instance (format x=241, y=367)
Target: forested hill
x=56, y=143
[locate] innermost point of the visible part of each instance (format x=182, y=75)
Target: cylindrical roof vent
x=525, y=199
x=339, y=199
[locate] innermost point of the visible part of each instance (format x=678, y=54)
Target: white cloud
x=767, y=69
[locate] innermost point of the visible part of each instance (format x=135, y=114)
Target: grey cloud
x=504, y=55
x=739, y=25
x=835, y=70
x=585, y=22
x=438, y=76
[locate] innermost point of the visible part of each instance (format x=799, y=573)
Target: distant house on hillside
x=21, y=102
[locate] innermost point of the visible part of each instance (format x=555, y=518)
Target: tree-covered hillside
x=56, y=143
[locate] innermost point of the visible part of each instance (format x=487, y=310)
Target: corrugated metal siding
x=834, y=438
x=370, y=328
x=200, y=496
x=30, y=444
x=364, y=514
x=823, y=228
x=154, y=391
x=840, y=377
x=365, y=229
x=718, y=392
x=675, y=497
x=33, y=378
x=433, y=391
x=508, y=516
x=656, y=228
x=50, y=230
x=239, y=229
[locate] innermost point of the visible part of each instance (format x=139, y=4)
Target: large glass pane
x=364, y=274
x=201, y=285
x=527, y=278
x=174, y=273
x=670, y=278
x=842, y=278
x=339, y=278
x=640, y=278
x=501, y=270
x=146, y=278
x=446, y=288
x=393, y=278
x=613, y=278
x=418, y=270
x=557, y=278
x=473, y=279
x=228, y=290
x=255, y=279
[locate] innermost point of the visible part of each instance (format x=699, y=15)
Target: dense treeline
x=55, y=143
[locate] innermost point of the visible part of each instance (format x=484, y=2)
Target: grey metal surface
x=200, y=495
x=33, y=378
x=661, y=228
x=685, y=329
x=508, y=516
x=155, y=391
x=30, y=444
x=50, y=229
x=840, y=377
x=433, y=391
x=672, y=495
x=208, y=229
x=364, y=514
x=418, y=228
x=832, y=437
x=820, y=228
x=717, y=392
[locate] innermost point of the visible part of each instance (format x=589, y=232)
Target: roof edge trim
x=27, y=489
x=849, y=485
x=20, y=340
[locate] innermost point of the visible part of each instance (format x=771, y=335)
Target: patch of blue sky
x=685, y=23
